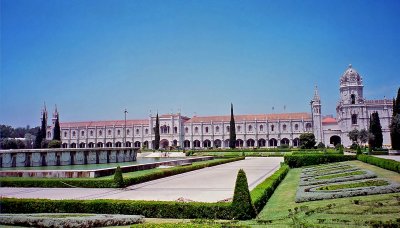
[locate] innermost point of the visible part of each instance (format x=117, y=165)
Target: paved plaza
x=206, y=185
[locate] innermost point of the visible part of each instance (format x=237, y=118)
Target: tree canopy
x=375, y=129
x=307, y=140
x=157, y=134
x=232, y=130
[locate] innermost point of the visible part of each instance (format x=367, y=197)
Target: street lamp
x=125, y=128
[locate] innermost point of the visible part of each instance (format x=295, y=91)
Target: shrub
x=242, y=206
x=354, y=146
x=151, y=209
x=381, y=162
x=118, y=179
x=262, y=192
x=321, y=145
x=359, y=150
x=44, y=143
x=54, y=144
x=299, y=160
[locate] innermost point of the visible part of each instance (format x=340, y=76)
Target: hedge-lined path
x=210, y=184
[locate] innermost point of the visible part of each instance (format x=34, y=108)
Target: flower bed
x=317, y=183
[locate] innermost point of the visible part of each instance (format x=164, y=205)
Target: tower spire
x=316, y=94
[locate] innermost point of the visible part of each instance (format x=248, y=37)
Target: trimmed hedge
x=104, y=183
x=262, y=192
x=242, y=205
x=299, y=160
x=388, y=164
x=150, y=209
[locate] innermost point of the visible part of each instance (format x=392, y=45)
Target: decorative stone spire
x=44, y=112
x=55, y=115
x=316, y=94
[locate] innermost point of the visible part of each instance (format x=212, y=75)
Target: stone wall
x=65, y=156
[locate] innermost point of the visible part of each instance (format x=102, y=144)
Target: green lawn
x=349, y=212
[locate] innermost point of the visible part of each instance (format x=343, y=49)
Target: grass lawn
x=239, y=153
x=349, y=212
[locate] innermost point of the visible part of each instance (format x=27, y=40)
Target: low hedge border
x=299, y=160
x=383, y=163
x=105, y=183
x=262, y=192
x=153, y=209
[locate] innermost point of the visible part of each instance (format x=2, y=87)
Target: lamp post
x=125, y=128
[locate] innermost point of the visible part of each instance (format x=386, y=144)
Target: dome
x=351, y=76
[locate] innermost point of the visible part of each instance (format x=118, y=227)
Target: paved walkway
x=206, y=185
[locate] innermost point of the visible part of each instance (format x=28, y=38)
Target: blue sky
x=94, y=58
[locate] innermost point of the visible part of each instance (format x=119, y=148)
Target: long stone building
x=254, y=130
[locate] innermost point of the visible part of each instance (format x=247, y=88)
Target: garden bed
x=343, y=180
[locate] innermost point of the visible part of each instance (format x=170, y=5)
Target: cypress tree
x=118, y=178
x=57, y=131
x=43, y=129
x=375, y=128
x=242, y=206
x=157, y=134
x=39, y=138
x=396, y=104
x=395, y=123
x=232, y=130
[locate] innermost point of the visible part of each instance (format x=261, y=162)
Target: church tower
x=316, y=116
x=44, y=113
x=351, y=87
x=55, y=116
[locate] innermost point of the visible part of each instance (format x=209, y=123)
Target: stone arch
x=250, y=143
x=196, y=143
x=175, y=142
x=82, y=145
x=128, y=144
x=206, y=143
x=91, y=145
x=273, y=142
x=64, y=145
x=164, y=143
x=99, y=144
x=239, y=143
x=146, y=144
x=186, y=144
x=226, y=143
x=262, y=143
x=109, y=144
x=335, y=139
x=118, y=144
x=296, y=142
x=285, y=141
x=73, y=145
x=217, y=143
x=137, y=144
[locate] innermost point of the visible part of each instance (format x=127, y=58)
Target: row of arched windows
x=249, y=128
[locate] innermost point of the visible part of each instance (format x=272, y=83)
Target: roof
x=104, y=123
x=281, y=116
x=329, y=120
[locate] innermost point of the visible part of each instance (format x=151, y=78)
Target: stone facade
x=265, y=130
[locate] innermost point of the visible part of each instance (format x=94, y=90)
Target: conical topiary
x=242, y=207
x=118, y=179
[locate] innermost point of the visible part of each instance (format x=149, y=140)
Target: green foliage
x=57, y=130
x=242, y=206
x=105, y=183
x=232, y=131
x=44, y=143
x=151, y=209
x=341, y=149
x=359, y=150
x=363, y=136
x=395, y=132
x=299, y=160
x=360, y=184
x=396, y=103
x=381, y=162
x=157, y=134
x=6, y=144
x=262, y=192
x=38, y=140
x=354, y=135
x=54, y=144
x=321, y=145
x=7, y=131
x=118, y=179
x=375, y=129
x=43, y=129
x=307, y=140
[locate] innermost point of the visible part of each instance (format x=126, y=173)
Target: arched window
x=186, y=130
x=217, y=129
x=118, y=132
x=91, y=133
x=272, y=127
x=128, y=131
x=354, y=119
x=196, y=130
x=238, y=128
x=308, y=127
x=168, y=129
x=146, y=131
x=261, y=128
x=296, y=127
x=284, y=127
x=48, y=134
x=175, y=130
x=353, y=99
x=250, y=128
x=227, y=129
x=109, y=132
x=100, y=132
x=82, y=133
x=206, y=129
x=73, y=134
x=137, y=131
x=65, y=134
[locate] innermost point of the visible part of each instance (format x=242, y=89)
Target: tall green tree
x=38, y=139
x=57, y=131
x=375, y=129
x=363, y=136
x=232, y=130
x=157, y=134
x=242, y=206
x=307, y=140
x=354, y=135
x=395, y=123
x=43, y=128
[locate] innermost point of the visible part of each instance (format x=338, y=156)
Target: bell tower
x=351, y=87
x=316, y=116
